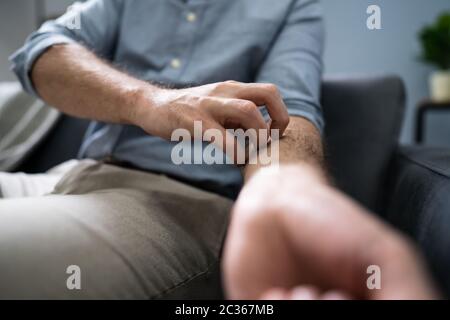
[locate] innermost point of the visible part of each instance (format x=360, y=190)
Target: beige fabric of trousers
x=133, y=235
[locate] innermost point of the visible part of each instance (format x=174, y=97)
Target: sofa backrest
x=363, y=122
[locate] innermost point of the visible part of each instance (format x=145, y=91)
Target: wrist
x=307, y=172
x=142, y=100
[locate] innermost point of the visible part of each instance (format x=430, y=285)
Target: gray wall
x=17, y=19
x=351, y=47
x=56, y=7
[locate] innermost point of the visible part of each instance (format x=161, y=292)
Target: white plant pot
x=440, y=86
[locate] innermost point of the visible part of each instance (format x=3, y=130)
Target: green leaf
x=435, y=41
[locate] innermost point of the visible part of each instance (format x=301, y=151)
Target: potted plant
x=435, y=41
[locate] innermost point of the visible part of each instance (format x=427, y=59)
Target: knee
x=27, y=255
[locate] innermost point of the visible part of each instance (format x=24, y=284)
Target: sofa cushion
x=419, y=204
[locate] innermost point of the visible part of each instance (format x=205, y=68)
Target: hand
x=294, y=237
x=224, y=105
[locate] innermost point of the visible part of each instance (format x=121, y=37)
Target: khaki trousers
x=92, y=230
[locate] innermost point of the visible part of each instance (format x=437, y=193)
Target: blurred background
x=351, y=47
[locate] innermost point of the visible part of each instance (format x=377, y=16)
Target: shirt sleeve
x=94, y=24
x=294, y=63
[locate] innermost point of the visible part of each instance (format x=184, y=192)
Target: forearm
x=75, y=81
x=301, y=144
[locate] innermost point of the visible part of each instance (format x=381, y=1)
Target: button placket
x=175, y=63
x=190, y=17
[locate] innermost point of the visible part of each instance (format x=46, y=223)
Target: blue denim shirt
x=189, y=43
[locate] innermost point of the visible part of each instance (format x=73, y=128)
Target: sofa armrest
x=418, y=202
x=60, y=145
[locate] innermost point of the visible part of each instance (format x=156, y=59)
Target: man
x=135, y=224
x=321, y=245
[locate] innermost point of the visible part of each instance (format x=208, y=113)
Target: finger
x=335, y=295
x=275, y=294
x=304, y=293
x=243, y=114
x=268, y=95
x=225, y=141
x=240, y=113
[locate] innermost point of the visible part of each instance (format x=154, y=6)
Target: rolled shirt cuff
x=24, y=59
x=296, y=109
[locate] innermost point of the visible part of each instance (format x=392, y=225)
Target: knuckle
x=206, y=107
x=285, y=119
x=203, y=102
x=272, y=89
x=219, y=86
x=227, y=84
x=250, y=211
x=248, y=108
x=259, y=216
x=231, y=82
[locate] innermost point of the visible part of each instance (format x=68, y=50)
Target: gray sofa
x=407, y=186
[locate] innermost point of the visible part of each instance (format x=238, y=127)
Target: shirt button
x=191, y=17
x=175, y=63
